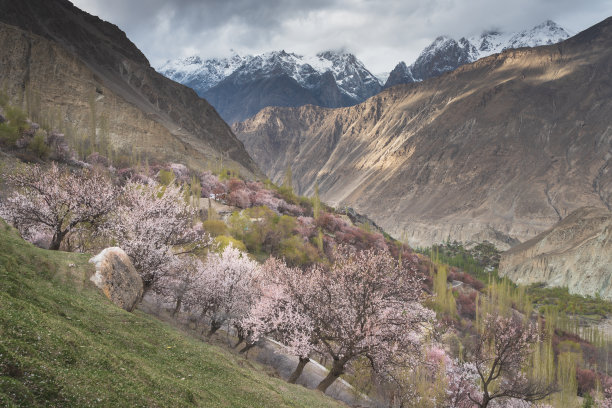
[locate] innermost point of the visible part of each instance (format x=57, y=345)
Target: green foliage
x=481, y=261
x=223, y=240
x=588, y=401
x=196, y=190
x=165, y=177
x=316, y=202
x=226, y=174
x=560, y=298
x=288, y=179
x=38, y=145
x=566, y=378
x=443, y=294
x=297, y=252
x=16, y=122
x=64, y=344
x=215, y=227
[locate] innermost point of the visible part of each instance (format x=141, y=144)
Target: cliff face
x=575, y=253
x=77, y=67
x=504, y=147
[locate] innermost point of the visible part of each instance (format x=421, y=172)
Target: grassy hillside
x=62, y=343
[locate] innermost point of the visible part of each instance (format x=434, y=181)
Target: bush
x=586, y=379
x=466, y=303
x=235, y=184
x=165, y=177
x=215, y=227
x=38, y=145
x=223, y=241
x=296, y=252
x=239, y=198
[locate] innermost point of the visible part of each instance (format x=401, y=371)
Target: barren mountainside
x=576, y=253
x=77, y=67
x=503, y=147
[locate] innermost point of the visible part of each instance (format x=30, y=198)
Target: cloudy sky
x=381, y=33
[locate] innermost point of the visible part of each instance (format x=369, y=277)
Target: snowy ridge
x=495, y=42
x=446, y=54
x=201, y=75
x=352, y=77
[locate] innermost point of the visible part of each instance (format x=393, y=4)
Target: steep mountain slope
x=446, y=54
x=505, y=146
x=75, y=66
x=576, y=253
x=239, y=87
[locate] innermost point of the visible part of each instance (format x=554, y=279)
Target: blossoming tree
x=499, y=355
x=153, y=224
x=55, y=201
x=224, y=290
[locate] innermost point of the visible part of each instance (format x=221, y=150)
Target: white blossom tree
x=56, y=201
x=152, y=225
x=224, y=290
x=278, y=315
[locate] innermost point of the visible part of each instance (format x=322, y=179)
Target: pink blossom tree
x=54, y=201
x=605, y=400
x=364, y=304
x=499, y=355
x=181, y=279
x=277, y=314
x=153, y=224
x=225, y=290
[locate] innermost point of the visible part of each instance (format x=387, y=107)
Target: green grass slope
x=62, y=343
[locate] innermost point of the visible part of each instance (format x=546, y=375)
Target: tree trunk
x=240, y=332
x=177, y=308
x=298, y=370
x=56, y=240
x=247, y=347
x=336, y=371
x=214, y=326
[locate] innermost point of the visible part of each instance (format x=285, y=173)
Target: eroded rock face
x=575, y=253
x=117, y=277
x=500, y=149
x=79, y=67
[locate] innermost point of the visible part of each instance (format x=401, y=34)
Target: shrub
x=239, y=198
x=215, y=227
x=38, y=145
x=586, y=379
x=296, y=252
x=466, y=303
x=165, y=177
x=235, y=184
x=223, y=241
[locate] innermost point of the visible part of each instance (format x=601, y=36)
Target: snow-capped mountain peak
x=352, y=77
x=446, y=54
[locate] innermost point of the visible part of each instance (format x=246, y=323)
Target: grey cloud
x=381, y=33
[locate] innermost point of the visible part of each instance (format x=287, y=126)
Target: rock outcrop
x=86, y=77
x=117, y=278
x=498, y=150
x=576, y=253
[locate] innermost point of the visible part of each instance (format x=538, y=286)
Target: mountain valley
x=499, y=149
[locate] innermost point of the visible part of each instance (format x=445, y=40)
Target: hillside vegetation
x=62, y=343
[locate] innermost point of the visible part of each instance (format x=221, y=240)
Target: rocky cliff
x=505, y=146
x=576, y=253
x=85, y=71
